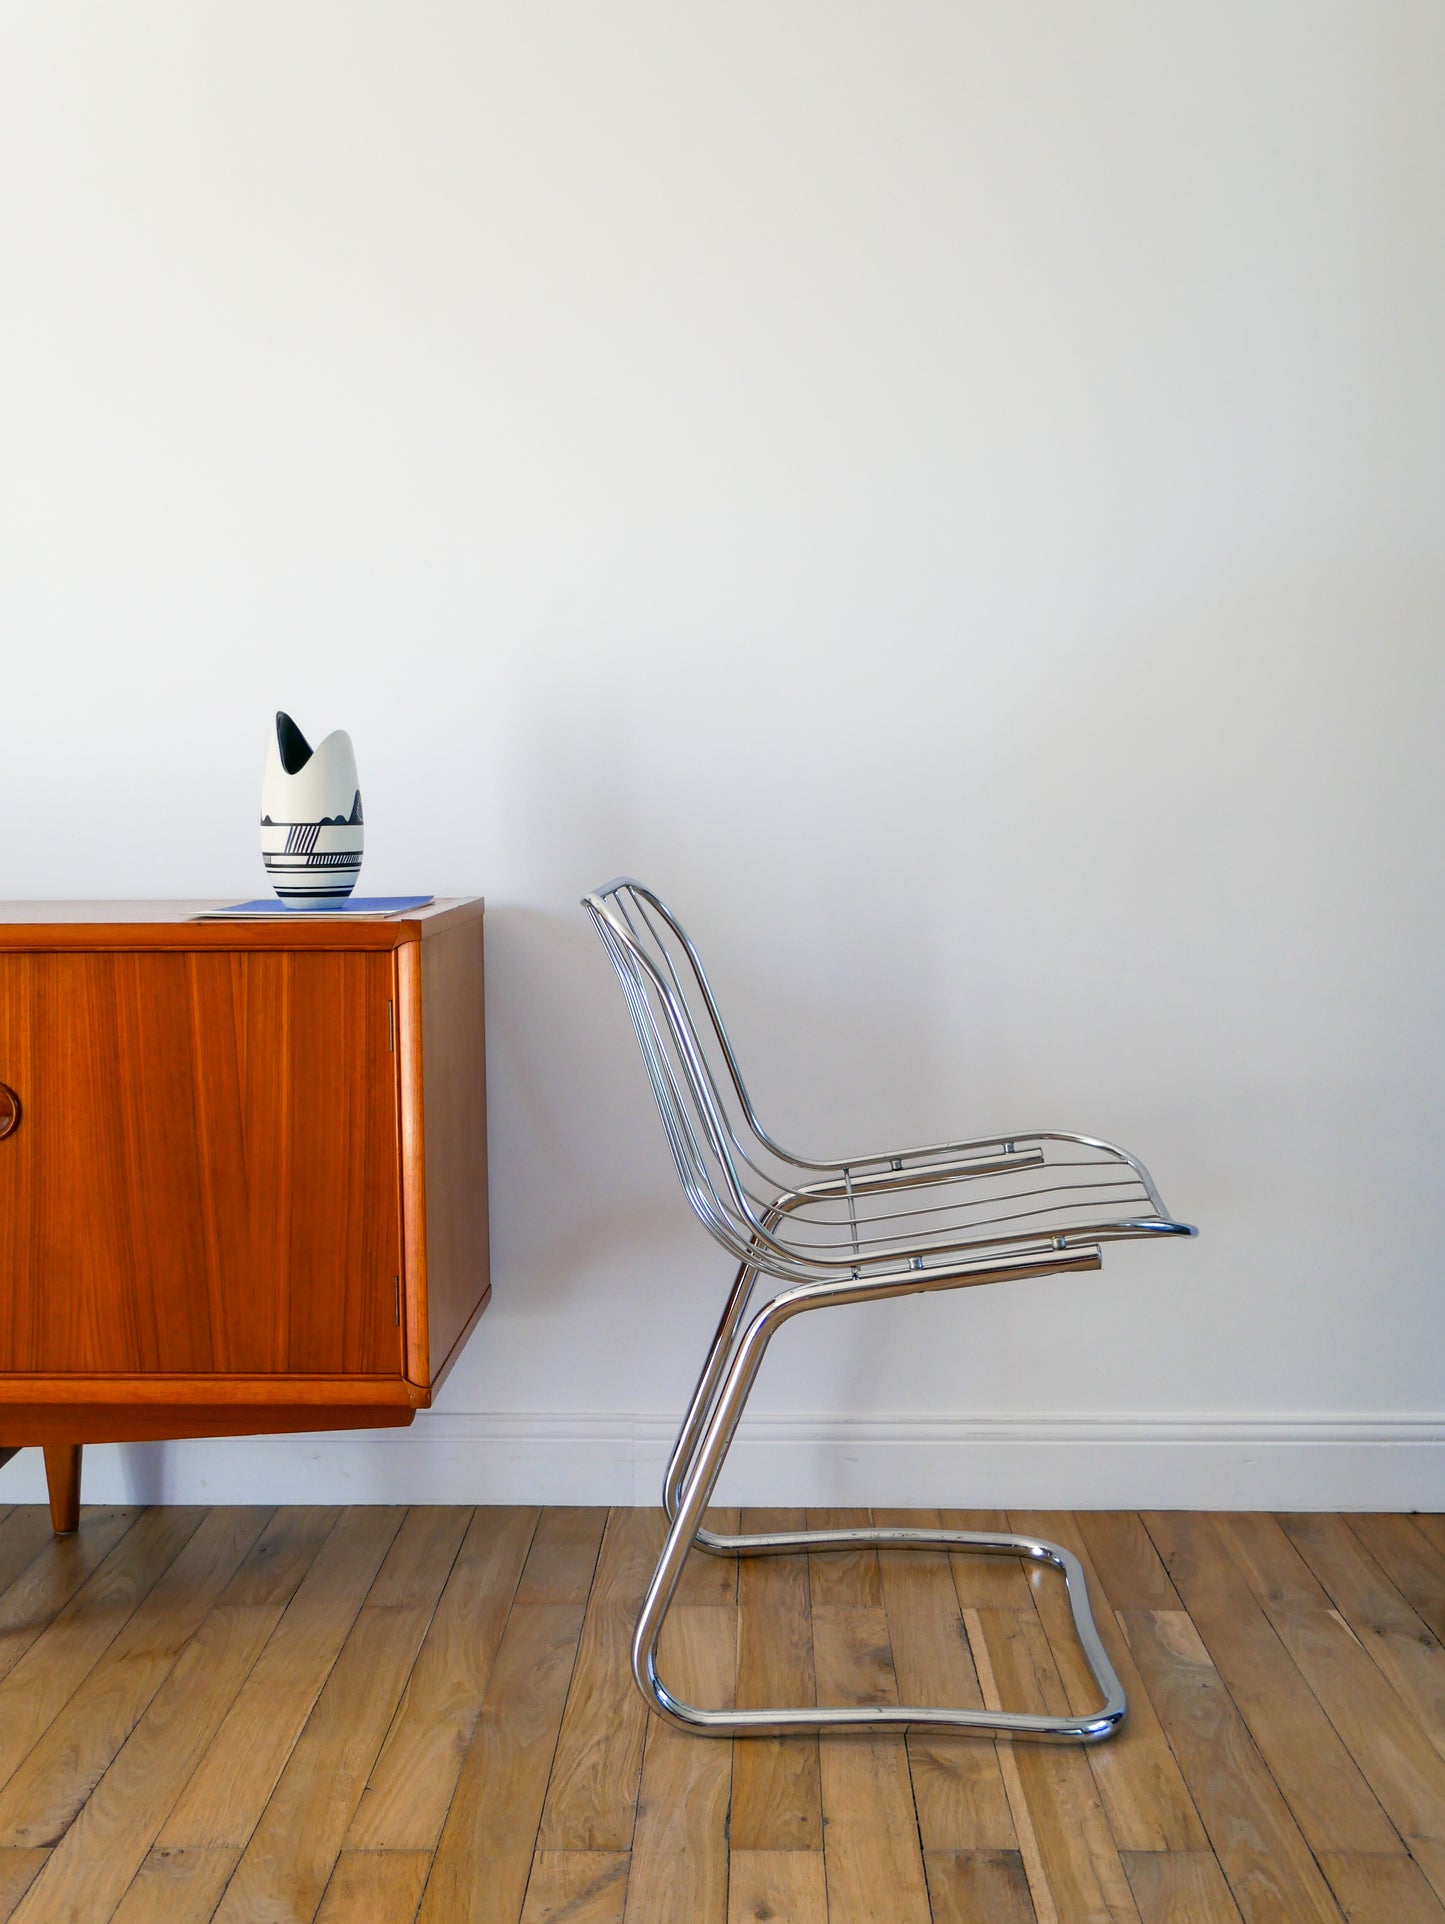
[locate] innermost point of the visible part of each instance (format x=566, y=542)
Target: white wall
x=953, y=495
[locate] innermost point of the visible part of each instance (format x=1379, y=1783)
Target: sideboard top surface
x=171, y=925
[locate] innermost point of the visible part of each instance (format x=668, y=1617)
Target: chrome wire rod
x=813, y=1216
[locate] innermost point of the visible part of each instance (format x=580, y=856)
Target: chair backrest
x=712, y=1128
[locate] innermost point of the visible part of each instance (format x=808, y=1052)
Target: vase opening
x=292, y=745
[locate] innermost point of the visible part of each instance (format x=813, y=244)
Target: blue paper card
x=268, y=907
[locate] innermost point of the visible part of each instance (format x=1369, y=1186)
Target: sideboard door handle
x=9, y=1110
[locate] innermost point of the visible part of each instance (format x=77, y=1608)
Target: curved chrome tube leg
x=699, y=1458
x=705, y=1393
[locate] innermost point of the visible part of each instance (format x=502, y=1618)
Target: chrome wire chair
x=948, y=1216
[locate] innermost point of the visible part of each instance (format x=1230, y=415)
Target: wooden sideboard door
x=204, y=1176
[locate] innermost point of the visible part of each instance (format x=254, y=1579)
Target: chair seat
x=932, y=1209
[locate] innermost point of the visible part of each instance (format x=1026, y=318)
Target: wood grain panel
x=229, y=1789
x=18, y=1871
x=1148, y=1802
x=592, y=1797
x=1395, y=1752
x=483, y=1859
x=29, y=1604
x=406, y=1799
x=283, y=1693
x=454, y=1100
x=957, y=1788
x=1396, y=1637
x=1070, y=1855
x=680, y=1851
x=375, y=1887
x=577, y=1887
x=39, y=1684
x=24, y=1533
x=776, y=1887
x=1332, y=1803
x=128, y=1409
x=777, y=1801
x=1271, y=1872
x=62, y=1769
x=1180, y=1887
x=205, y=1177
x=873, y=1858
x=88, y=1872
x=978, y=1887
x=1412, y=1564
x=411, y=1118
x=177, y=1887
x=1381, y=1890
x=293, y=1849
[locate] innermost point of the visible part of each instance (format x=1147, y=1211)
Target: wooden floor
x=370, y=1716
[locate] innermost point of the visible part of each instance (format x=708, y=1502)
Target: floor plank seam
x=399, y=1705
x=557, y=1734
x=120, y=1628
x=1323, y=1707
x=1249, y=1731
x=181, y=1789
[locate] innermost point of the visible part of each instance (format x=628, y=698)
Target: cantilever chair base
x=1087, y=1728
x=692, y=1474
x=947, y=1216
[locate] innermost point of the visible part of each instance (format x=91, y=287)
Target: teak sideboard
x=243, y=1172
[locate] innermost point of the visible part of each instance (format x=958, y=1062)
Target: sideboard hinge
x=391, y=1026
x=396, y=1289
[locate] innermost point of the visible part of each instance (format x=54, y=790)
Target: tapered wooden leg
x=62, y=1479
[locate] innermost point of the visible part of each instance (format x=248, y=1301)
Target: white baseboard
x=1026, y=1462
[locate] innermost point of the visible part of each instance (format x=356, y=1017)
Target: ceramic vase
x=311, y=829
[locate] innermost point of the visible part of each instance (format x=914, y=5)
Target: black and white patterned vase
x=311, y=829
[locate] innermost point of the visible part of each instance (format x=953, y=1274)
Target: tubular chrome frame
x=822, y=1234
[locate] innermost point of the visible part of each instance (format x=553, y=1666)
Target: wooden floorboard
x=42, y=1798
x=18, y=1871
x=406, y=1801
x=872, y=1851
x=427, y=1716
x=1329, y=1798
x=1397, y=1756
x=777, y=1803
x=1396, y=1636
x=958, y=1789
x=292, y=1852
x=177, y=1887
x=1148, y=1802
x=591, y=1802
x=53, y=1570
x=484, y=1856
x=679, y=1872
